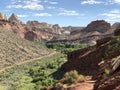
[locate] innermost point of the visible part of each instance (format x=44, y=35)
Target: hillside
x=14, y=49
x=101, y=61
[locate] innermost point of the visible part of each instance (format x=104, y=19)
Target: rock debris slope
x=14, y=49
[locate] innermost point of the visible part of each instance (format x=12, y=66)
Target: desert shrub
x=106, y=74
x=116, y=38
x=71, y=77
x=81, y=78
x=105, y=56
x=23, y=83
x=114, y=46
x=66, y=47
x=58, y=85
x=52, y=65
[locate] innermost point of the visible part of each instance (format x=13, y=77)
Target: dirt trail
x=27, y=61
x=83, y=86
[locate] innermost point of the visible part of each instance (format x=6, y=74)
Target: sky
x=63, y=12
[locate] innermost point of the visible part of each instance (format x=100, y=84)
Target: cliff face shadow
x=58, y=74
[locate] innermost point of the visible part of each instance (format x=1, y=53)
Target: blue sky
x=63, y=12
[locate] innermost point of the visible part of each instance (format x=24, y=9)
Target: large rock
x=14, y=19
x=55, y=29
x=3, y=17
x=116, y=26
x=99, y=25
x=14, y=25
x=117, y=32
x=43, y=31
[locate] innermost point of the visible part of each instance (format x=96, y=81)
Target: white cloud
x=91, y=2
x=53, y=2
x=51, y=7
x=15, y=6
x=42, y=14
x=31, y=4
x=116, y=11
x=114, y=1
x=68, y=12
x=114, y=14
x=22, y=16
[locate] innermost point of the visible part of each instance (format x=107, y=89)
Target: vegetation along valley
x=51, y=45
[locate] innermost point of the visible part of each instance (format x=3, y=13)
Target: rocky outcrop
x=3, y=17
x=94, y=31
x=14, y=19
x=30, y=36
x=102, y=61
x=72, y=29
x=112, y=83
x=54, y=29
x=42, y=31
x=33, y=30
x=87, y=59
x=99, y=25
x=117, y=32
x=116, y=26
x=108, y=76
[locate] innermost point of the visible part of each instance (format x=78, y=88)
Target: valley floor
x=27, y=61
x=18, y=76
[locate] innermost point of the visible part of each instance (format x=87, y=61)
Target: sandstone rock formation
x=3, y=17
x=94, y=31
x=108, y=76
x=14, y=19
x=102, y=61
x=42, y=31
x=55, y=29
x=99, y=25
x=116, y=25
x=33, y=30
x=30, y=36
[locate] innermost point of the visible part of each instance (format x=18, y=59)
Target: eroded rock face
x=87, y=59
x=43, y=31
x=99, y=25
x=55, y=29
x=33, y=30
x=102, y=61
x=94, y=31
x=30, y=36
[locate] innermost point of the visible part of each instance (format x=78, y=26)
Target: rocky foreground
x=101, y=61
